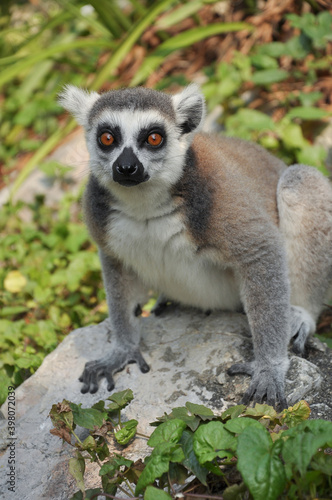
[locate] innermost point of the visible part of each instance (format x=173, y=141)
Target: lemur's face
x=136, y=136
x=130, y=148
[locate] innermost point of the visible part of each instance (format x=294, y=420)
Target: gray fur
x=135, y=99
x=207, y=221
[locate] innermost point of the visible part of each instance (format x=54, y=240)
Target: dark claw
x=283, y=405
x=106, y=367
x=142, y=364
x=144, y=368
x=84, y=389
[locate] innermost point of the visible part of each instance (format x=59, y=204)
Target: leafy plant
x=276, y=455
x=50, y=283
x=229, y=83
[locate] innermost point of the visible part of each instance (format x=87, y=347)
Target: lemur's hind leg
x=304, y=199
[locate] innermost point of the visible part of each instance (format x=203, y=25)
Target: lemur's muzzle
x=128, y=170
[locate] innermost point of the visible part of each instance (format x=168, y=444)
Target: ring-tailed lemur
x=209, y=221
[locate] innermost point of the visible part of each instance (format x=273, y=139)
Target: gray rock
x=188, y=352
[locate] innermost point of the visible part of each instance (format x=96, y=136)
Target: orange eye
x=106, y=139
x=155, y=139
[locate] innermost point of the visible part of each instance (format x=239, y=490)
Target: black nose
x=127, y=169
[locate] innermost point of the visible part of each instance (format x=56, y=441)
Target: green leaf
x=273, y=49
x=182, y=413
x=263, y=61
x=291, y=135
x=237, y=425
x=200, y=411
x=303, y=441
x=249, y=119
x=100, y=406
x=177, y=15
x=260, y=410
x=12, y=310
x=152, y=493
x=178, y=474
x=76, y=469
x=259, y=464
x=235, y=492
x=309, y=98
x=158, y=464
x=87, y=417
x=233, y=412
x=88, y=494
x=113, y=465
x=127, y=432
x=268, y=76
x=307, y=113
x=169, y=431
x=89, y=443
x=120, y=400
x=5, y=382
x=314, y=156
x=190, y=460
x=213, y=440
x=322, y=462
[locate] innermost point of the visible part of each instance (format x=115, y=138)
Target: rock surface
x=188, y=352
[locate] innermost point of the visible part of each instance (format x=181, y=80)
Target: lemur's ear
x=78, y=102
x=189, y=108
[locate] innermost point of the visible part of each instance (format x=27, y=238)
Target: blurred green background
x=264, y=67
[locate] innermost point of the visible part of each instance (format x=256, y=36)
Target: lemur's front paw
x=94, y=371
x=267, y=383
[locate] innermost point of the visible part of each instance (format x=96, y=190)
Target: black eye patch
x=144, y=133
x=113, y=130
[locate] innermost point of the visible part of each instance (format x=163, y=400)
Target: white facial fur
x=163, y=164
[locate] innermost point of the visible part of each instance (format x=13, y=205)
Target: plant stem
x=142, y=435
x=123, y=490
x=78, y=439
x=129, y=486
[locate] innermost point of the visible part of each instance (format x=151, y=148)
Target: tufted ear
x=78, y=102
x=189, y=108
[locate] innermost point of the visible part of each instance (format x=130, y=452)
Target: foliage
x=276, y=455
x=260, y=71
x=50, y=283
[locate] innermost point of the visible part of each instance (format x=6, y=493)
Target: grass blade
x=15, y=70
x=137, y=30
x=181, y=41
x=178, y=15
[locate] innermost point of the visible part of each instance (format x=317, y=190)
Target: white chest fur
x=161, y=253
